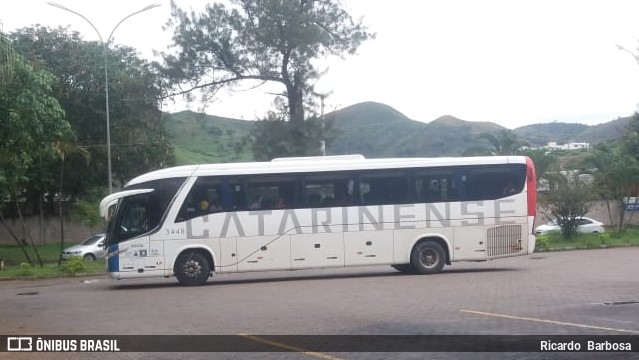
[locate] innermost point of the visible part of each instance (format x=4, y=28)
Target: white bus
x=415, y=214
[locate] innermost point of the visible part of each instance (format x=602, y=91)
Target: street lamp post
x=105, y=46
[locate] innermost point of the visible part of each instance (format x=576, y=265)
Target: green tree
x=64, y=148
x=569, y=199
x=275, y=137
x=30, y=118
x=268, y=41
x=504, y=142
x=543, y=160
x=137, y=132
x=615, y=168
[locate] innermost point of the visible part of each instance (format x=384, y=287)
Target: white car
x=585, y=226
x=90, y=249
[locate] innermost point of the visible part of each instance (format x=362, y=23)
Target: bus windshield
x=142, y=213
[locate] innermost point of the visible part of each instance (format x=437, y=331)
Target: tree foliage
x=30, y=120
x=615, y=168
x=505, y=142
x=569, y=199
x=137, y=140
x=543, y=160
x=268, y=41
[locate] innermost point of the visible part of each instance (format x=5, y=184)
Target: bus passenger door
x=228, y=255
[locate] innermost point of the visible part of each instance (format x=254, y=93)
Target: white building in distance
x=569, y=146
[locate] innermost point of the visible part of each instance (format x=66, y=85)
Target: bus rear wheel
x=192, y=269
x=428, y=257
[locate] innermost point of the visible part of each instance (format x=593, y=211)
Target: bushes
x=73, y=265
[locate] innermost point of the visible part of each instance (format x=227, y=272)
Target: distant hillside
x=377, y=130
x=371, y=129
x=201, y=138
x=607, y=131
x=541, y=134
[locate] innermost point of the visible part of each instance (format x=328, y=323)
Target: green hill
x=200, y=138
x=371, y=129
x=541, y=134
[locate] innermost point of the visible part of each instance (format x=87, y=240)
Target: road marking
x=290, y=347
x=549, y=321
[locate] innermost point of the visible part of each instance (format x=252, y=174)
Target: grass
x=555, y=242
x=16, y=265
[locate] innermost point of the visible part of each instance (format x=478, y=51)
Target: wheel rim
x=429, y=258
x=192, y=269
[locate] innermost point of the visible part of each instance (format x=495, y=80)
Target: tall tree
x=616, y=177
x=568, y=200
x=272, y=41
x=30, y=119
x=504, y=142
x=137, y=133
x=543, y=160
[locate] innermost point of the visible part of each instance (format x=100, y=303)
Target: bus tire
x=428, y=257
x=192, y=269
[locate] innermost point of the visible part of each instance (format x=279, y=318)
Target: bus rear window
x=490, y=183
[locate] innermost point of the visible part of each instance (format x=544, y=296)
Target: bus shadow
x=310, y=277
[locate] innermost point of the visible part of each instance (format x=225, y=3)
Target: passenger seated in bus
x=203, y=205
x=256, y=203
x=279, y=204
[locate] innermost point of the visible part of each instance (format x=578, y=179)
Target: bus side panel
x=317, y=250
x=368, y=247
x=469, y=243
x=258, y=253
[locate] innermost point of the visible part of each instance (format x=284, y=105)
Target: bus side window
x=497, y=182
x=271, y=193
x=327, y=191
x=436, y=186
x=205, y=197
x=382, y=189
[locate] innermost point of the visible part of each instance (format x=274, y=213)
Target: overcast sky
x=510, y=62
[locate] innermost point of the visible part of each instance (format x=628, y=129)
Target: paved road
x=593, y=292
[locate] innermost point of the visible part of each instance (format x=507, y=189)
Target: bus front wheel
x=192, y=269
x=428, y=257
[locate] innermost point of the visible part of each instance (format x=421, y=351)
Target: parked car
x=90, y=249
x=585, y=225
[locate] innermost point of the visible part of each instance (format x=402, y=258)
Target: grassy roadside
x=555, y=242
x=15, y=266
